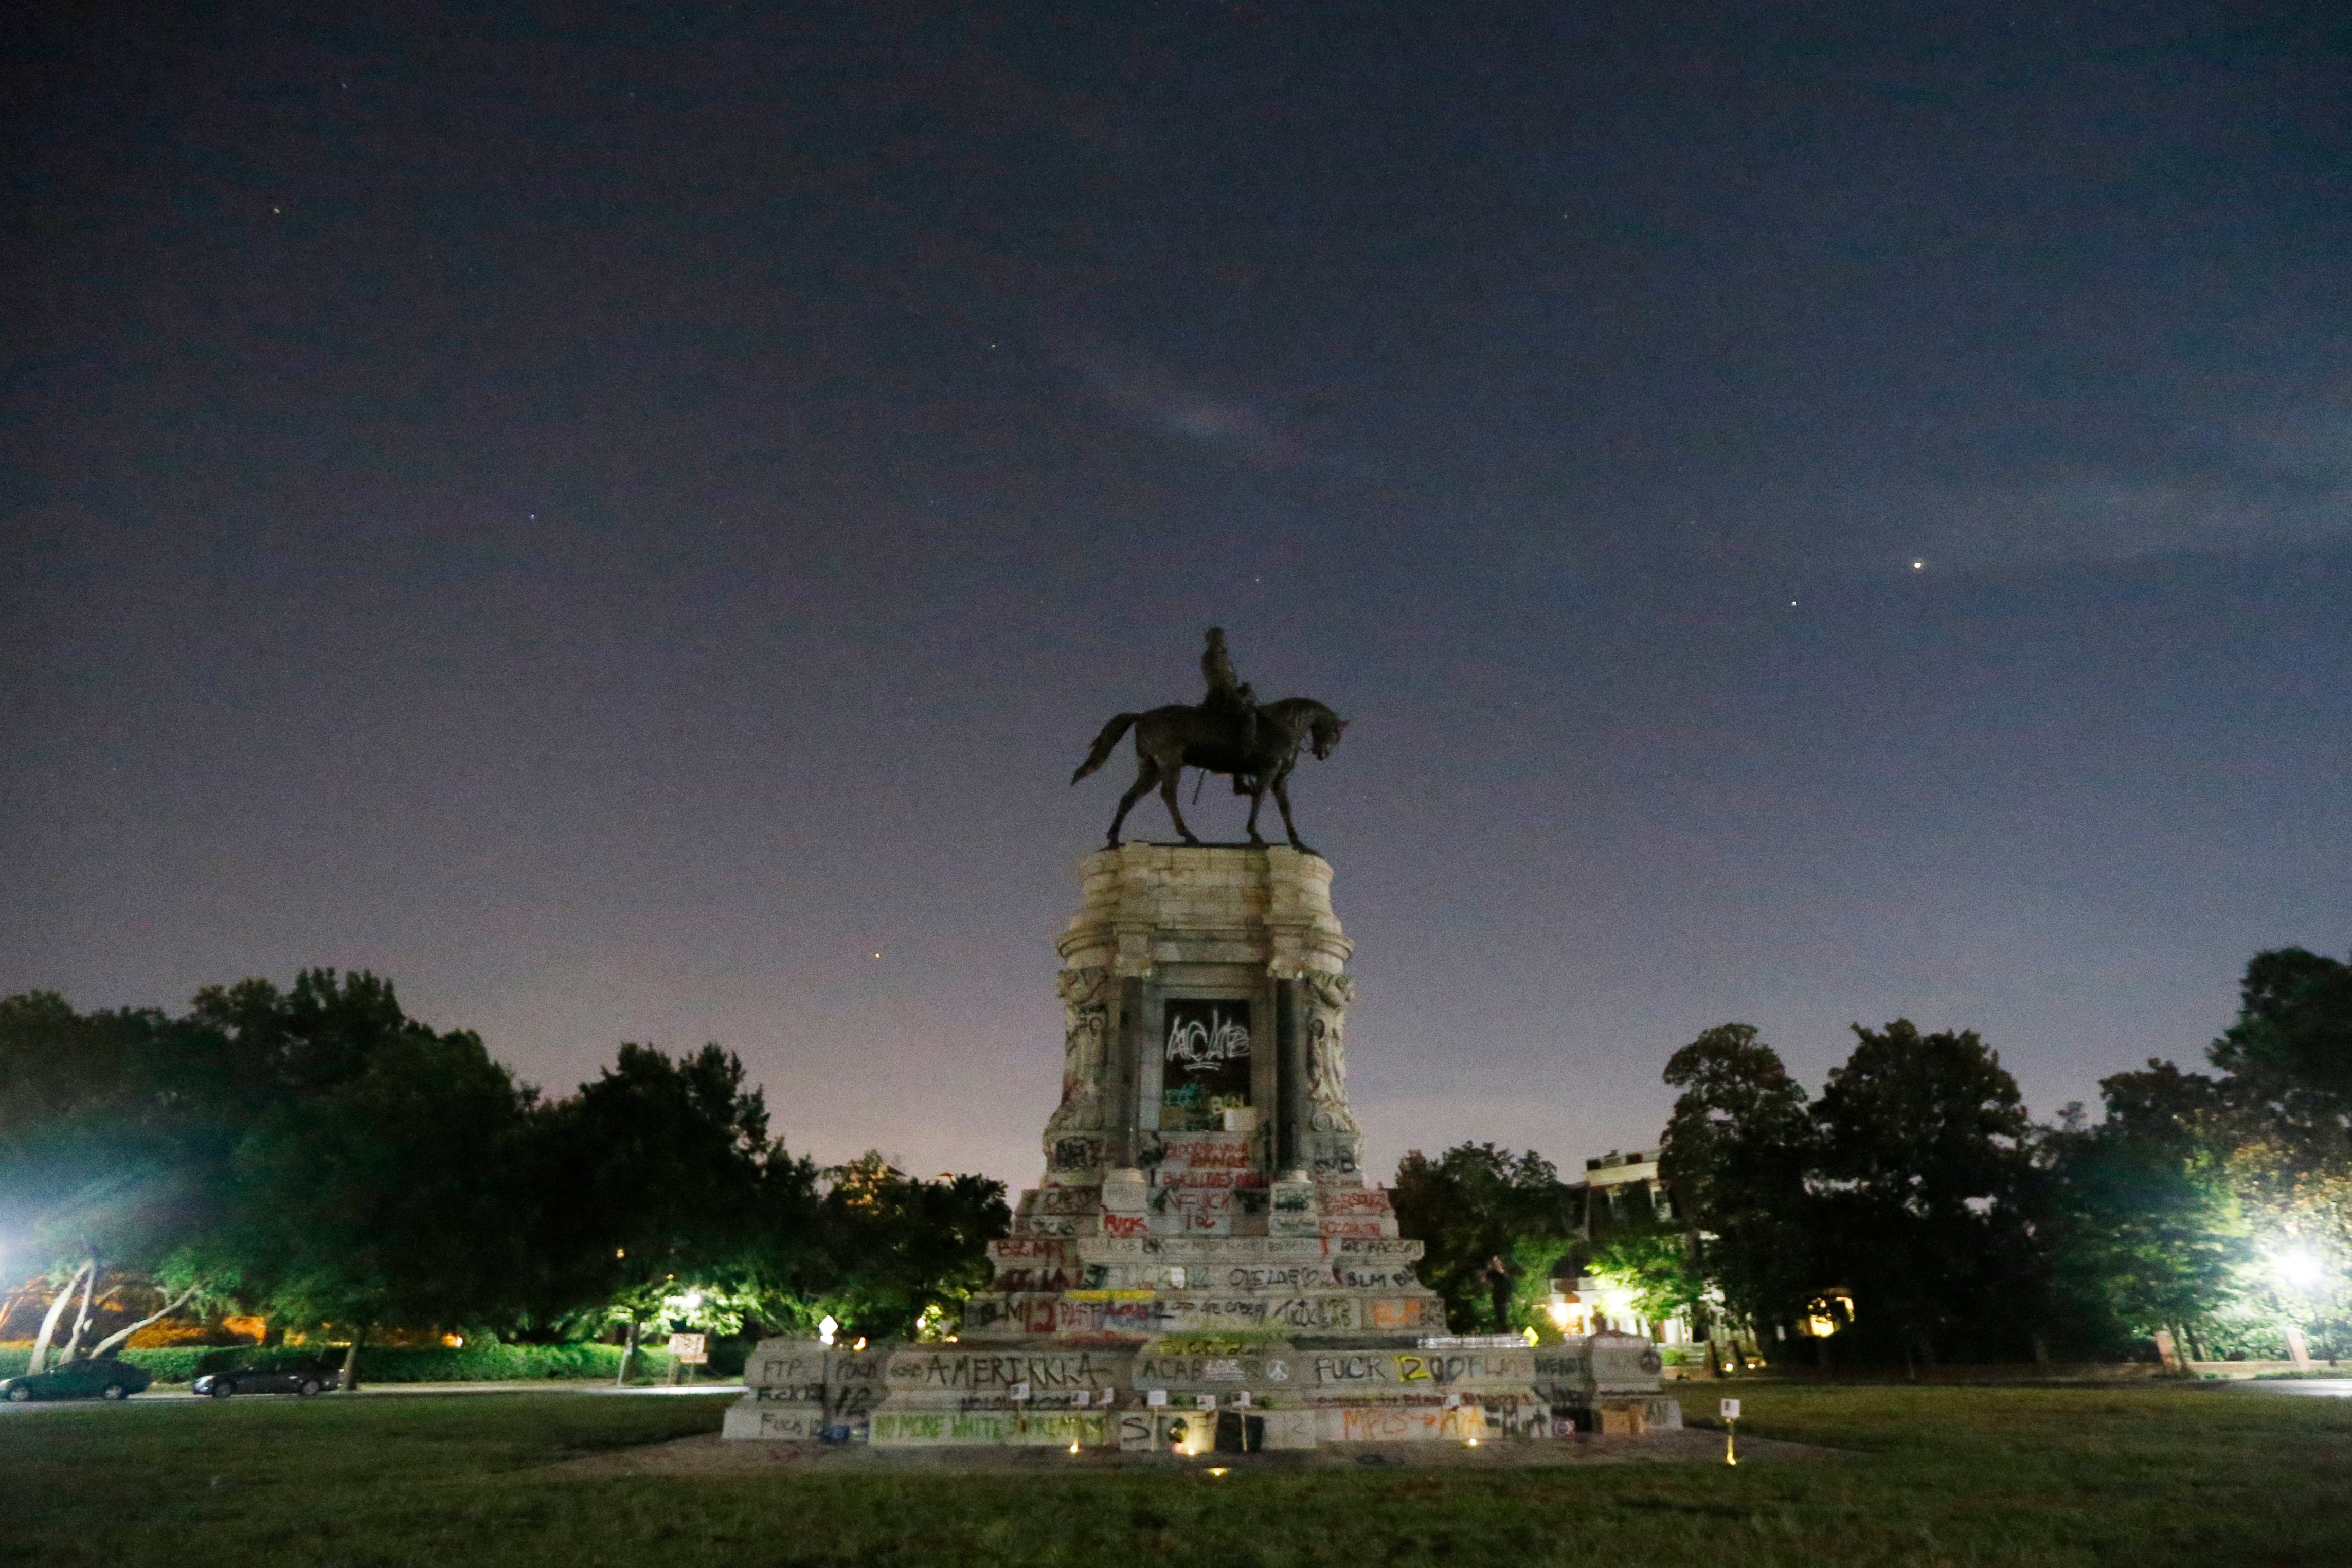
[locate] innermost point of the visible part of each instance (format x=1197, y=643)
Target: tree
x=111, y=1152
x=2287, y=1085
x=1735, y=1155
x=2144, y=1232
x=389, y=1198
x=2223, y=1206
x=1924, y=1182
x=905, y=1253
x=2290, y=1047
x=1476, y=1210
x=660, y=1176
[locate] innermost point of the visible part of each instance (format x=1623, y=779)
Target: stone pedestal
x=1202, y=1265
x=1202, y=1170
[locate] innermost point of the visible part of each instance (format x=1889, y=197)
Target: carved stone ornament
x=1085, y=1031
x=1328, y=997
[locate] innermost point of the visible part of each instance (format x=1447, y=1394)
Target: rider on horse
x=1229, y=699
x=1229, y=733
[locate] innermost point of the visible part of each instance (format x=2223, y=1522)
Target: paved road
x=2325, y=1388
x=179, y=1395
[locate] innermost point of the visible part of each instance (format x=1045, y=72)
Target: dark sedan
x=95, y=1377
x=304, y=1380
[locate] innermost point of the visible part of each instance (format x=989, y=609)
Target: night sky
x=616, y=517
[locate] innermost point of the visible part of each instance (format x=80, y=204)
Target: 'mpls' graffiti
x=1397, y=1424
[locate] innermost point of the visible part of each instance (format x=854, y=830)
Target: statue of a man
x=1229, y=696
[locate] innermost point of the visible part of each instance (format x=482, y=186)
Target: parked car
x=92, y=1377
x=303, y=1379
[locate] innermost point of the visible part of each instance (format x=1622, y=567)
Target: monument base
x=1202, y=1266
x=1270, y=1394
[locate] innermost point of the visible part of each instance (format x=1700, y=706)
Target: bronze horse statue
x=1170, y=739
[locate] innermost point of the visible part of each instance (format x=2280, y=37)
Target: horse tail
x=1103, y=743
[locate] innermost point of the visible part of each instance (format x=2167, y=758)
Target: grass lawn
x=2215, y=1476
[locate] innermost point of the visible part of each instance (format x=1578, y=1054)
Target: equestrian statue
x=1231, y=732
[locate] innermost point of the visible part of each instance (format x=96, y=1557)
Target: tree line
x=1914, y=1210
x=314, y=1155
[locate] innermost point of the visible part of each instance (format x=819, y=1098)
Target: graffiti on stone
x=1353, y=1228
x=1361, y=1200
x=1397, y=1423
x=981, y=1370
x=1055, y=1427
x=1354, y=1369
x=1076, y=1154
x=1411, y=1312
x=1067, y=1199
x=1205, y=1065
x=1225, y=1152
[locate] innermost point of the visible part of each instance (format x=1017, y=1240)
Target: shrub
x=483, y=1360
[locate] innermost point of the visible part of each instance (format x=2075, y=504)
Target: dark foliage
x=899, y=1248
x=1923, y=1185
x=1736, y=1153
x=661, y=1171
x=1475, y=1209
x=316, y=1155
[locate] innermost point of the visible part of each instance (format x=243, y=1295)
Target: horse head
x=1324, y=731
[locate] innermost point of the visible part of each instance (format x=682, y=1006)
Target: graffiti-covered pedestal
x=1202, y=1263
x=1202, y=1168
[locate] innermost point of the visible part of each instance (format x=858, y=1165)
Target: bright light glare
x=827, y=1329
x=2302, y=1268
x=694, y=1300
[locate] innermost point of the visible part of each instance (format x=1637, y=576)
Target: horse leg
x=1168, y=776
x=1257, y=799
x=1146, y=776
x=1282, y=799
